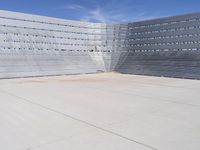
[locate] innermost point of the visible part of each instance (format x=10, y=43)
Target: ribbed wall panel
x=32, y=45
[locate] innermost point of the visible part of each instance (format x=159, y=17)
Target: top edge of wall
x=155, y=20
x=21, y=15
x=161, y=19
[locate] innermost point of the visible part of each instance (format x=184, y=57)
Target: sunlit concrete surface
x=107, y=111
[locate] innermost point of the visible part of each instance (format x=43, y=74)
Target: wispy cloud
x=96, y=15
x=111, y=12
x=71, y=7
x=110, y=16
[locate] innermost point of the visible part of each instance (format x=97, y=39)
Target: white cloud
x=110, y=16
x=72, y=7
x=96, y=15
x=111, y=12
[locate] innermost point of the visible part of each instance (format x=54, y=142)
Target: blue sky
x=103, y=10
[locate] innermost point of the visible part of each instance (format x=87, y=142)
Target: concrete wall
x=33, y=45
x=164, y=47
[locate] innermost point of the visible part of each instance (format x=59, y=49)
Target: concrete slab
x=99, y=111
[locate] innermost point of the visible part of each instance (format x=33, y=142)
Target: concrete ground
x=107, y=111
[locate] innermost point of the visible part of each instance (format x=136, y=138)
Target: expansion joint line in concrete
x=79, y=120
